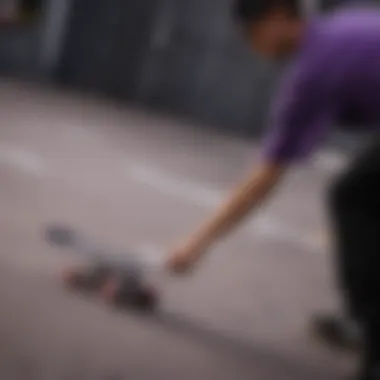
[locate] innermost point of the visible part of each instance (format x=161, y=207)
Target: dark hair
x=246, y=11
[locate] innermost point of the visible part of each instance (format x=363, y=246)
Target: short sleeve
x=302, y=111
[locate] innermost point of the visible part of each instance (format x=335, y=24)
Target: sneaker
x=337, y=332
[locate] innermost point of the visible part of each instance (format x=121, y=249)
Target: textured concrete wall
x=33, y=50
x=181, y=56
x=18, y=51
x=106, y=44
x=52, y=31
x=203, y=69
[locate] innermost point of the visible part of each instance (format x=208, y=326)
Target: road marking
x=330, y=161
x=153, y=257
x=266, y=227
x=149, y=250
x=190, y=192
x=22, y=159
x=201, y=196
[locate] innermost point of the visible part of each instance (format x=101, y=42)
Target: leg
x=369, y=368
x=354, y=205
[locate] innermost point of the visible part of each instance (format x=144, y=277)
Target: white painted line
x=267, y=227
x=181, y=189
x=22, y=159
x=270, y=228
x=330, y=161
x=152, y=256
x=201, y=196
x=149, y=250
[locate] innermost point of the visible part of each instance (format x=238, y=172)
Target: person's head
x=273, y=27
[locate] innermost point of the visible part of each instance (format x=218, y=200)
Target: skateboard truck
x=117, y=278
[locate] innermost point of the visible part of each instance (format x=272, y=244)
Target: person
x=333, y=80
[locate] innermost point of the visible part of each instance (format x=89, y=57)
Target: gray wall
x=180, y=56
x=32, y=51
x=106, y=45
x=202, y=68
x=52, y=29
x=19, y=51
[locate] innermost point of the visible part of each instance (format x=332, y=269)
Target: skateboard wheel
x=110, y=289
x=145, y=299
x=87, y=279
x=73, y=277
x=139, y=298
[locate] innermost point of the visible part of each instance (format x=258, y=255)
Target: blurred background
x=182, y=57
x=129, y=120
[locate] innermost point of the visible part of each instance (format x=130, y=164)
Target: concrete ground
x=135, y=180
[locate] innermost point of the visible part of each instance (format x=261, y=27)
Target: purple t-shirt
x=334, y=80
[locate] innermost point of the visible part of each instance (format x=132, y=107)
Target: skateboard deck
x=69, y=239
x=118, y=276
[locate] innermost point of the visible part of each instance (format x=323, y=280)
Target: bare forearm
x=248, y=195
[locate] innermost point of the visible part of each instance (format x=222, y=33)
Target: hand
x=183, y=258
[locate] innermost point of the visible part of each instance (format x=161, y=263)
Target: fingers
x=181, y=263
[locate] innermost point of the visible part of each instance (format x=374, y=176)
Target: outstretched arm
x=249, y=194
x=300, y=117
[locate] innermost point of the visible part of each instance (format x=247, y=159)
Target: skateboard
x=117, y=277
